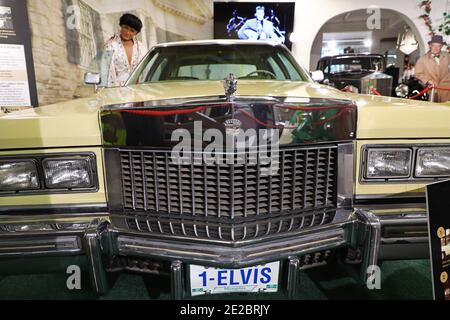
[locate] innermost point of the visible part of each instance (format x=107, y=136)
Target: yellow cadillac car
x=223, y=165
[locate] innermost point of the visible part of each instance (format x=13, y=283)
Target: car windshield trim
x=202, y=59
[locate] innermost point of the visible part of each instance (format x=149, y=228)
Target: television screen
x=254, y=21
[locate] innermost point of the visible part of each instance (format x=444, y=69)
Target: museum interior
x=224, y=150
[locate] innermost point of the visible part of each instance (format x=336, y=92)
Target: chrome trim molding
x=23, y=226
x=27, y=210
x=293, y=275
x=410, y=218
x=214, y=255
x=215, y=42
x=369, y=234
x=386, y=197
x=43, y=246
x=97, y=271
x=176, y=280
x=346, y=175
x=182, y=102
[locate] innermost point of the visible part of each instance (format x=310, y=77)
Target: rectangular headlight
x=18, y=175
x=433, y=162
x=388, y=163
x=68, y=173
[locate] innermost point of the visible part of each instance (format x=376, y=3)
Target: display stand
x=438, y=202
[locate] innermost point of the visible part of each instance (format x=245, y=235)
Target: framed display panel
x=438, y=202
x=17, y=78
x=271, y=21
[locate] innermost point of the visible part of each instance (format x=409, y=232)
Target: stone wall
x=59, y=76
x=57, y=79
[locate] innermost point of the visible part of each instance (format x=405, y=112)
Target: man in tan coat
x=433, y=68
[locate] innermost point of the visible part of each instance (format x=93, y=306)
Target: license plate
x=216, y=281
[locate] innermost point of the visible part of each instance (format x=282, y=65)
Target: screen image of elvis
x=261, y=27
x=6, y=18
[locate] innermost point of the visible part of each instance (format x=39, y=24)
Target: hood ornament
x=230, y=86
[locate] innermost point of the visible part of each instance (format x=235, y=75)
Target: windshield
x=356, y=64
x=215, y=62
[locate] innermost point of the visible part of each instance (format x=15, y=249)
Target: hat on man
x=436, y=39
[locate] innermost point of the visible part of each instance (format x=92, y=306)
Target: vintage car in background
x=135, y=178
x=356, y=72
x=413, y=88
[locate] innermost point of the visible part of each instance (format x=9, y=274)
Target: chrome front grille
x=382, y=85
x=230, y=202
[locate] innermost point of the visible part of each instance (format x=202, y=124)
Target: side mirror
x=317, y=75
x=92, y=78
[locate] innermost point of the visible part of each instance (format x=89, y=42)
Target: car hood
x=388, y=118
x=76, y=122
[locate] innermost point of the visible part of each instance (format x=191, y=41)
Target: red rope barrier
x=440, y=88
x=169, y=112
x=267, y=125
x=339, y=114
x=420, y=93
x=375, y=91
x=311, y=108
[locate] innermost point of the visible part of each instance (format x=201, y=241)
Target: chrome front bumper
x=100, y=242
x=404, y=236
x=404, y=230
x=44, y=239
x=231, y=257
x=92, y=238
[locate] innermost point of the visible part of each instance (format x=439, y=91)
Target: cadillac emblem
x=232, y=126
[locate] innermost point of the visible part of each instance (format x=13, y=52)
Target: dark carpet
x=399, y=280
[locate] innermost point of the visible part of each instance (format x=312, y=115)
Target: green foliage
x=444, y=27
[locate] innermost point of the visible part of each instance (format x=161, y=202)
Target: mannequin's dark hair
x=132, y=21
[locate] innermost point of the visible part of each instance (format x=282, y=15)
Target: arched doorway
x=350, y=30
